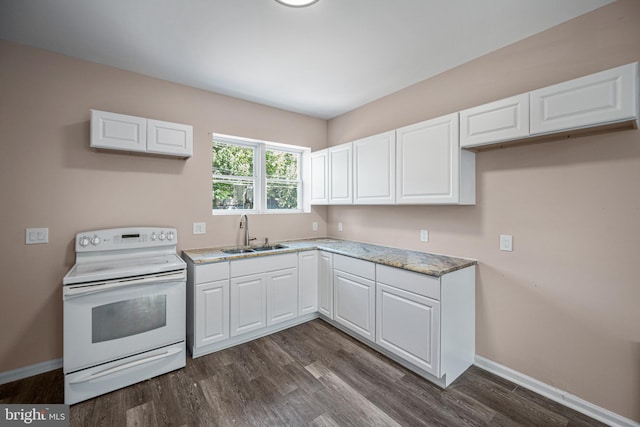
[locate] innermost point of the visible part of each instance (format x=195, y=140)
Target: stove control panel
x=125, y=238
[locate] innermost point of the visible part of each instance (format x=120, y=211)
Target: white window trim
x=259, y=191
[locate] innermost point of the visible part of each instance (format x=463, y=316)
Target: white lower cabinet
x=325, y=284
x=207, y=304
x=307, y=282
x=212, y=312
x=427, y=321
x=354, y=295
x=248, y=303
x=264, y=292
x=408, y=325
x=282, y=295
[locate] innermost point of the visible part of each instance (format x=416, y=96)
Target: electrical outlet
x=37, y=235
x=506, y=242
x=199, y=228
x=339, y=226
x=314, y=225
x=424, y=235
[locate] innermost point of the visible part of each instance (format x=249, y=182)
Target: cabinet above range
x=122, y=132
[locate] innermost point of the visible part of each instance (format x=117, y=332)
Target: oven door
x=119, y=319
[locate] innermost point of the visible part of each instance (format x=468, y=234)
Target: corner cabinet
x=431, y=168
x=325, y=284
x=122, y=132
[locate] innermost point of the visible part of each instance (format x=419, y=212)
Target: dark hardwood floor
x=309, y=375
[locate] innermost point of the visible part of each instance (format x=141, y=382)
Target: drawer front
x=263, y=264
x=211, y=272
x=421, y=284
x=358, y=267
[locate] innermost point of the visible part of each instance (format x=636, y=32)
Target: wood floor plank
x=309, y=375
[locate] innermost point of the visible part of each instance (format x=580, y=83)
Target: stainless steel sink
x=269, y=248
x=238, y=251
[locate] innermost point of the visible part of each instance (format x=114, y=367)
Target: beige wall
x=51, y=178
x=563, y=307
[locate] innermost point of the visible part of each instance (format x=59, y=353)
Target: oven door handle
x=78, y=290
x=128, y=365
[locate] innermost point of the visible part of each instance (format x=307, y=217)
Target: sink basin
x=269, y=248
x=238, y=251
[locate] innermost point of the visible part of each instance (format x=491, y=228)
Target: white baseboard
x=29, y=371
x=557, y=395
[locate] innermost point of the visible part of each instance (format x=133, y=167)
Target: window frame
x=260, y=179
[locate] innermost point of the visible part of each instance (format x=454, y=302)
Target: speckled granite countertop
x=420, y=262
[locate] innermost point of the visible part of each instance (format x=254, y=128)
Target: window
x=256, y=176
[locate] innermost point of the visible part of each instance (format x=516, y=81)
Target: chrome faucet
x=244, y=223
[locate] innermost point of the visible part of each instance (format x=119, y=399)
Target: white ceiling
x=322, y=60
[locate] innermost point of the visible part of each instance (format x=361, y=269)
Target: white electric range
x=124, y=310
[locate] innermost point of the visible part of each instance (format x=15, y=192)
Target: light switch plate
x=506, y=242
x=36, y=236
x=199, y=228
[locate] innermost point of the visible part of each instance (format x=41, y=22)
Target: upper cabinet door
x=340, y=175
x=169, y=138
x=503, y=120
x=320, y=177
x=374, y=168
x=118, y=131
x=428, y=161
x=605, y=97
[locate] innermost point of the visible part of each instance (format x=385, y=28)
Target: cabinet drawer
x=358, y=267
x=421, y=284
x=211, y=272
x=257, y=265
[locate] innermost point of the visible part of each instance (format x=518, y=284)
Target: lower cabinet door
x=307, y=282
x=282, y=295
x=354, y=303
x=408, y=325
x=211, y=312
x=248, y=304
x=325, y=284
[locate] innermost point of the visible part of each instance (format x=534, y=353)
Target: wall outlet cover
x=339, y=226
x=424, y=235
x=506, y=242
x=314, y=225
x=199, y=228
x=36, y=236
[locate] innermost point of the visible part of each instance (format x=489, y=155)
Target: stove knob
x=84, y=241
x=153, y=236
x=161, y=236
x=170, y=235
x=95, y=240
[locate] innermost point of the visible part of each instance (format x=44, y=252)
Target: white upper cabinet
x=503, y=120
x=340, y=174
x=130, y=133
x=606, y=97
x=118, y=131
x=430, y=165
x=320, y=177
x=169, y=138
x=374, y=169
